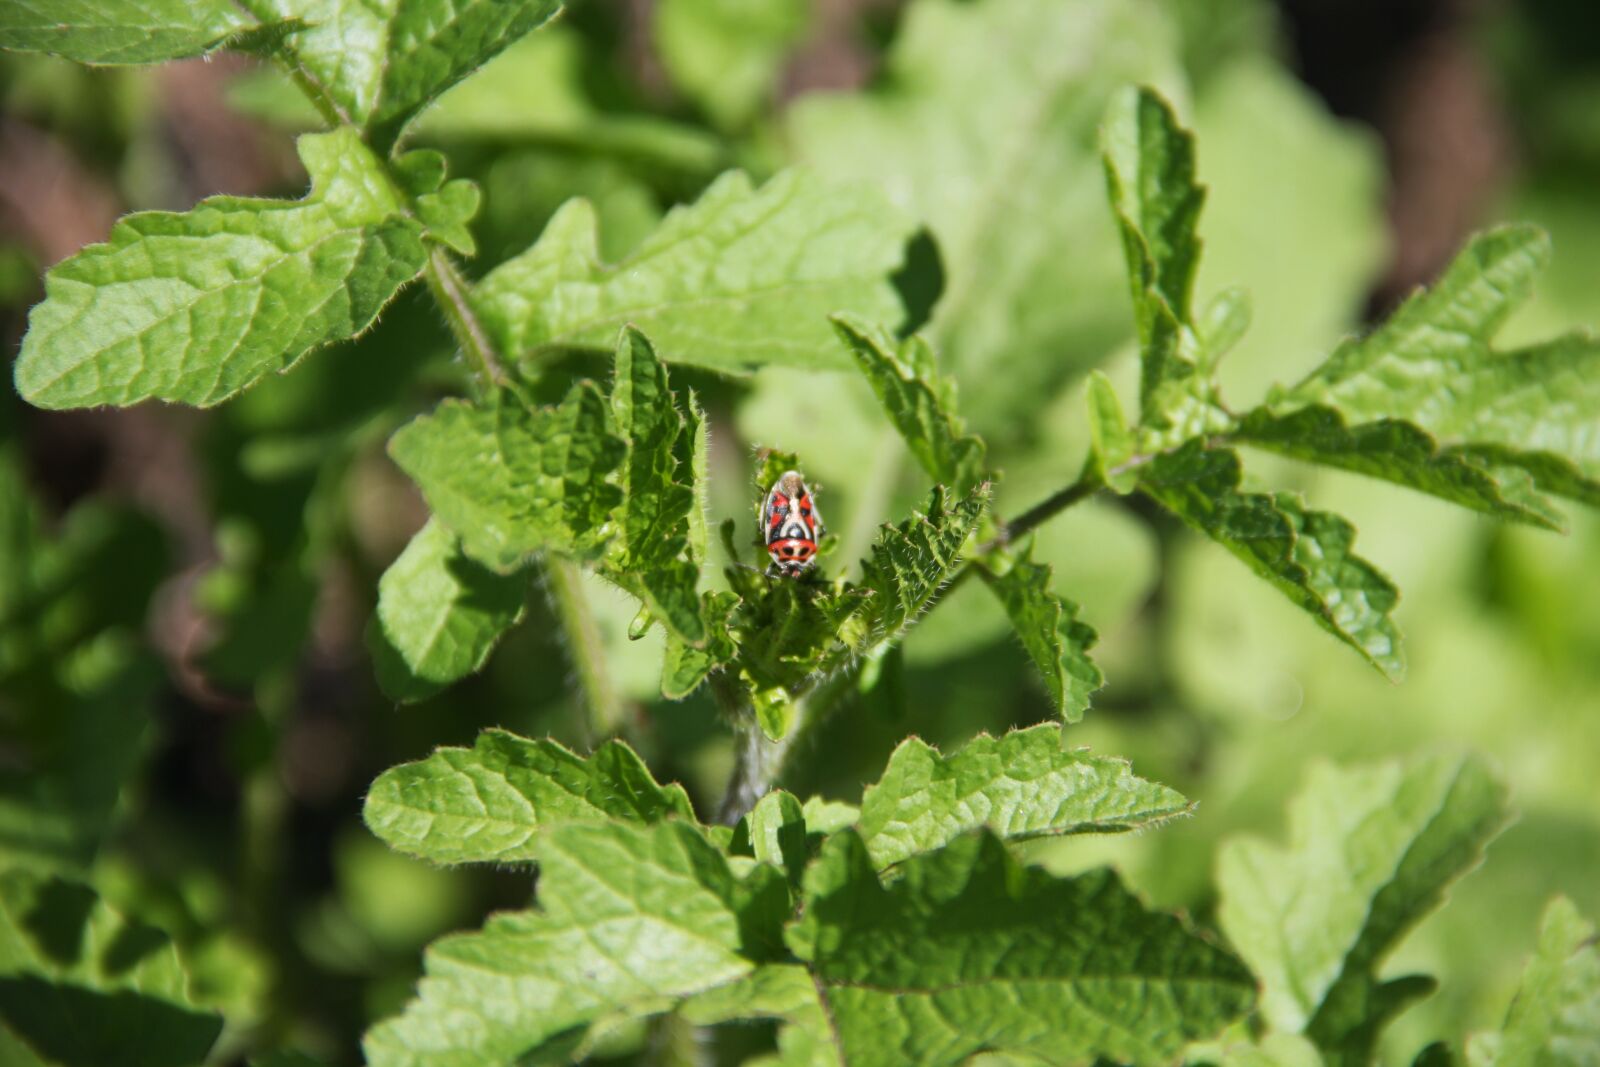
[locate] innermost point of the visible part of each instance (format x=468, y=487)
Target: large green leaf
x=920, y=403
x=1371, y=852
x=1555, y=1019
x=1396, y=451
x=1433, y=363
x=1306, y=555
x=631, y=919
x=651, y=555
x=439, y=615
x=121, y=31
x=1023, y=785
x=967, y=951
x=194, y=307
x=740, y=278
x=490, y=803
x=376, y=64
x=1049, y=629
x=80, y=986
x=995, y=147
x=510, y=479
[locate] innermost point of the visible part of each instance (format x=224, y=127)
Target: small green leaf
x=1049, y=629
x=1111, y=444
x=195, y=307
x=726, y=55
x=649, y=557
x=912, y=561
x=510, y=479
x=439, y=615
x=377, y=65
x=741, y=278
x=1371, y=852
x=79, y=984
x=447, y=211
x=1433, y=363
x=1555, y=1019
x=1150, y=177
x=774, y=832
x=610, y=896
x=1396, y=451
x=122, y=31
x=1023, y=785
x=490, y=803
x=967, y=950
x=684, y=667
x=1306, y=555
x=919, y=402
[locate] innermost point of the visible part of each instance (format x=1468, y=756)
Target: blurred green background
x=187, y=702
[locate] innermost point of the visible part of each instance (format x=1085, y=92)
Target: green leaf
x=1306, y=555
x=919, y=402
x=995, y=148
x=377, y=65
x=684, y=667
x=511, y=479
x=775, y=832
x=490, y=803
x=1150, y=177
x=122, y=31
x=1049, y=629
x=966, y=950
x=726, y=55
x=741, y=278
x=1433, y=363
x=912, y=561
x=650, y=556
x=1371, y=852
x=1023, y=785
x=1555, y=1019
x=80, y=985
x=195, y=307
x=1112, y=444
x=631, y=919
x=439, y=615
x=1396, y=451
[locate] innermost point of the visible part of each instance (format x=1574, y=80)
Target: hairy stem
x=1046, y=509
x=450, y=292
x=602, y=706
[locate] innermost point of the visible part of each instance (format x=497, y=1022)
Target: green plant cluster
x=908, y=928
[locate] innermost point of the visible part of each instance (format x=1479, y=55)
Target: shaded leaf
x=1371, y=852
x=490, y=803
x=1022, y=785
x=81, y=986
x=194, y=307
x=1555, y=1019
x=910, y=562
x=1306, y=555
x=439, y=615
x=740, y=278
x=510, y=479
x=919, y=402
x=967, y=951
x=530, y=982
x=1049, y=629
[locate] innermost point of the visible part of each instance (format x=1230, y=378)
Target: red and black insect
x=791, y=525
